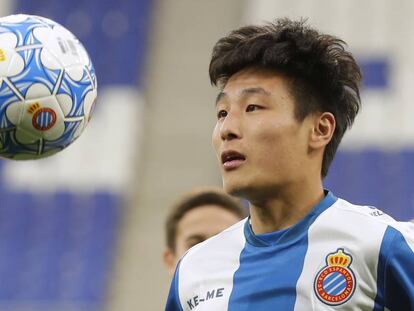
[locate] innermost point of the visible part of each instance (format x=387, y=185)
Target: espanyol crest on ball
x=47, y=87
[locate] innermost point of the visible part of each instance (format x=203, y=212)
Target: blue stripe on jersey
x=395, y=266
x=260, y=284
x=173, y=300
x=382, y=259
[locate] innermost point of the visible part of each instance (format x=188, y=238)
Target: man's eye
x=221, y=114
x=252, y=108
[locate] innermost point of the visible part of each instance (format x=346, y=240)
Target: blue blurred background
x=58, y=233
x=83, y=230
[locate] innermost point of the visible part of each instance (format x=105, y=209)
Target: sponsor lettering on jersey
x=210, y=294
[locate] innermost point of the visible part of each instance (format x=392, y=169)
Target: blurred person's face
x=197, y=225
x=258, y=141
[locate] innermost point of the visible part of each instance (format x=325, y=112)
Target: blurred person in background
x=197, y=216
x=287, y=95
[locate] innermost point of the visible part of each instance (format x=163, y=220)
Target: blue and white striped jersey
x=339, y=257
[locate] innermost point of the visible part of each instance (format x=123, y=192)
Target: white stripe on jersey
x=218, y=268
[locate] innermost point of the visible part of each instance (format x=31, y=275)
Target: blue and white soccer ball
x=48, y=87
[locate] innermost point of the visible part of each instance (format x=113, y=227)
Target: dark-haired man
x=287, y=96
x=195, y=217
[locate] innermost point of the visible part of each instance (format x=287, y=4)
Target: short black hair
x=198, y=198
x=322, y=74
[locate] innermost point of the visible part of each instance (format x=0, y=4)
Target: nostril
x=229, y=136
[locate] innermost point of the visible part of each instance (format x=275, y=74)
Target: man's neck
x=285, y=208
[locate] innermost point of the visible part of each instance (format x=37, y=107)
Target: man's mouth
x=232, y=159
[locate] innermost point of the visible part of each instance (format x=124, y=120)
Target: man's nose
x=230, y=127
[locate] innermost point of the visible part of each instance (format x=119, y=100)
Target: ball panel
x=26, y=137
x=43, y=118
x=89, y=104
x=49, y=60
x=14, y=112
x=37, y=90
x=7, y=96
x=16, y=65
x=61, y=43
x=65, y=103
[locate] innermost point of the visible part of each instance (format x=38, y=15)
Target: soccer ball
x=48, y=87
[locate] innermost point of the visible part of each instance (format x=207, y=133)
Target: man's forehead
x=252, y=81
x=253, y=76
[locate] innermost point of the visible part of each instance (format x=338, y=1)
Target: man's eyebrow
x=244, y=92
x=220, y=96
x=255, y=90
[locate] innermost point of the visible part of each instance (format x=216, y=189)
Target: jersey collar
x=292, y=234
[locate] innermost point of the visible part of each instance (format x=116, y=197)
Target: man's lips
x=232, y=159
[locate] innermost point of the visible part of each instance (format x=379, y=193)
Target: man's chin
x=247, y=191
x=235, y=189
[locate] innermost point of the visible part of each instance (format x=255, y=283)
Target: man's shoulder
x=233, y=234
x=208, y=267
x=364, y=213
x=370, y=219
x=225, y=244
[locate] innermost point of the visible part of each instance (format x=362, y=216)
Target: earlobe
x=169, y=261
x=322, y=132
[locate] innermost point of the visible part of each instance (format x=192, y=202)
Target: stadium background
x=83, y=230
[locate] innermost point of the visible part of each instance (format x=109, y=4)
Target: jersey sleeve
x=396, y=270
x=173, y=300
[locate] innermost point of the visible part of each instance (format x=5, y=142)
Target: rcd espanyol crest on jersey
x=335, y=283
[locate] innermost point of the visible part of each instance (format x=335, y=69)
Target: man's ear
x=169, y=260
x=323, y=130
